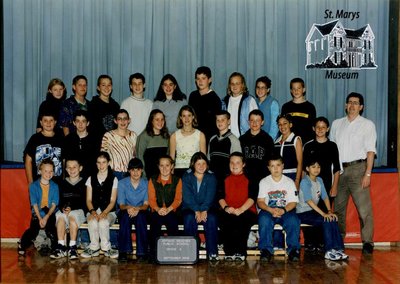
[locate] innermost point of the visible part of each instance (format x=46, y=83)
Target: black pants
x=235, y=231
x=34, y=228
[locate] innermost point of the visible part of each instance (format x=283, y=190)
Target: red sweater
x=237, y=191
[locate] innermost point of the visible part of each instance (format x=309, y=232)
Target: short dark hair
x=311, y=160
x=48, y=111
x=81, y=112
x=77, y=78
x=203, y=70
x=360, y=98
x=323, y=119
x=223, y=112
x=104, y=76
x=275, y=157
x=286, y=116
x=137, y=75
x=265, y=80
x=121, y=110
x=103, y=154
x=237, y=154
x=73, y=157
x=297, y=80
x=256, y=112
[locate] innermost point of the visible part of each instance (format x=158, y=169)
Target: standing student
x=80, y=143
x=153, y=142
x=239, y=211
x=221, y=146
x=238, y=103
x=186, y=141
x=290, y=147
x=72, y=211
x=169, y=99
x=136, y=104
x=277, y=200
x=312, y=190
x=199, y=188
x=268, y=105
x=73, y=103
x=355, y=137
x=102, y=109
x=44, y=198
x=120, y=144
x=205, y=102
x=165, y=198
x=101, y=195
x=56, y=95
x=46, y=144
x=133, y=202
x=257, y=148
x=302, y=111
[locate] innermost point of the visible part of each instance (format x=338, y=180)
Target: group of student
x=226, y=164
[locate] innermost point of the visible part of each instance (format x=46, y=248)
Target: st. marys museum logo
x=331, y=46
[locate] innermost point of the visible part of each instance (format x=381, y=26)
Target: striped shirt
x=120, y=148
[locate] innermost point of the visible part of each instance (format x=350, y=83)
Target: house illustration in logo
x=331, y=46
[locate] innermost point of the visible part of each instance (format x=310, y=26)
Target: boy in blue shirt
x=44, y=197
x=133, y=201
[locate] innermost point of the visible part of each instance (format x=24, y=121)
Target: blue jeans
x=290, y=223
x=332, y=237
x=210, y=228
x=125, y=232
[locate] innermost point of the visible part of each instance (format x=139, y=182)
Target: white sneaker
x=342, y=254
x=332, y=255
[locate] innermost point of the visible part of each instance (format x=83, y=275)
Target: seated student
x=312, y=189
x=101, y=194
x=205, y=102
x=221, y=146
x=239, y=211
x=153, y=142
x=133, y=204
x=165, y=197
x=277, y=200
x=199, y=188
x=44, y=197
x=72, y=206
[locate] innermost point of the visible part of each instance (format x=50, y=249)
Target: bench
x=202, y=252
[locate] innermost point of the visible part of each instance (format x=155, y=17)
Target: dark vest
x=165, y=194
x=101, y=193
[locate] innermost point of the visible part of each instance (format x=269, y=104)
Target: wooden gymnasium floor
x=381, y=267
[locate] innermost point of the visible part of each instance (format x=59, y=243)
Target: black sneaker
x=294, y=255
x=72, y=252
x=59, y=252
x=141, y=258
x=21, y=251
x=122, y=256
x=265, y=255
x=367, y=248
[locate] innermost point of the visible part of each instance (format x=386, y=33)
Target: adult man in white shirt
x=355, y=137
